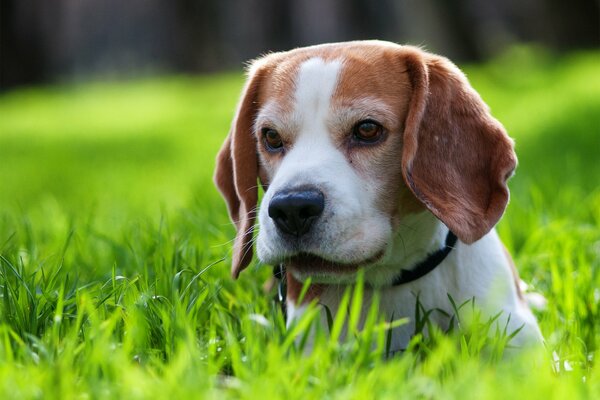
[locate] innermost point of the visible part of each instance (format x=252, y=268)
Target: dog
x=376, y=157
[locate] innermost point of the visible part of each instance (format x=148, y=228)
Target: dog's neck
x=417, y=236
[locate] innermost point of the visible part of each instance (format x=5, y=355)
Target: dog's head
x=348, y=138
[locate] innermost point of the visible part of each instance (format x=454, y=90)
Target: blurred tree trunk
x=23, y=51
x=318, y=21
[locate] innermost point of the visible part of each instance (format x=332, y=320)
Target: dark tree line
x=49, y=40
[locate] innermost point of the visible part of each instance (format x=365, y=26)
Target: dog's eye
x=272, y=139
x=367, y=131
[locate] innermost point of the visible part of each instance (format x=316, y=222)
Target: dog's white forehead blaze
x=315, y=85
x=312, y=148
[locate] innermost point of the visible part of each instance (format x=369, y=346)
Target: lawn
x=114, y=251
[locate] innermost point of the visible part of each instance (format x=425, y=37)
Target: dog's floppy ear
x=236, y=172
x=456, y=157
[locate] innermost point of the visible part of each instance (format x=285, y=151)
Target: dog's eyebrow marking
x=367, y=107
x=276, y=116
x=315, y=85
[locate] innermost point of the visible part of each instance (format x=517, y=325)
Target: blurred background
x=63, y=40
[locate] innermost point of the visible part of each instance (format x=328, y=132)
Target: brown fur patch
x=515, y=274
x=294, y=288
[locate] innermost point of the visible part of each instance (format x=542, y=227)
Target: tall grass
x=114, y=253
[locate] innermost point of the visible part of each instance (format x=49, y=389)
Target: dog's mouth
x=311, y=264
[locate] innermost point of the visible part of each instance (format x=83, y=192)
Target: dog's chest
x=416, y=304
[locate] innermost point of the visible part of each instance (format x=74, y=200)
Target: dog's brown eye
x=272, y=139
x=367, y=131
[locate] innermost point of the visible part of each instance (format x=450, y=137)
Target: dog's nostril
x=294, y=211
x=276, y=213
x=310, y=211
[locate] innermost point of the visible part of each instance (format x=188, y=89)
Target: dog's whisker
x=246, y=248
x=253, y=210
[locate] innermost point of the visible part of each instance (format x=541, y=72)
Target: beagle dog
x=375, y=157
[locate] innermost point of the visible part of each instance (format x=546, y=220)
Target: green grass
x=114, y=245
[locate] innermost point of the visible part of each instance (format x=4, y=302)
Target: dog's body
x=372, y=155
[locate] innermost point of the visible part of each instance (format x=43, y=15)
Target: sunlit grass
x=114, y=252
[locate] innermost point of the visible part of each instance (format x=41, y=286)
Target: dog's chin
x=304, y=265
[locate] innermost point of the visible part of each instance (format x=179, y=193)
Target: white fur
x=294, y=312
x=352, y=229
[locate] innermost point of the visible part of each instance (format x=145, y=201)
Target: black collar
x=428, y=264
x=405, y=276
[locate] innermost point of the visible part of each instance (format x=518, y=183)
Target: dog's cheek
x=381, y=170
x=267, y=167
x=264, y=176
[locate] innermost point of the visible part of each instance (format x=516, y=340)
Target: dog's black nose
x=294, y=211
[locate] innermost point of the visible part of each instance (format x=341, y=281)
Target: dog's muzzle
x=294, y=211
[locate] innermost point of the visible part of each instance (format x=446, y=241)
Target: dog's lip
x=312, y=263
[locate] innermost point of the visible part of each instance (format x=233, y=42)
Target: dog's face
x=347, y=139
x=328, y=142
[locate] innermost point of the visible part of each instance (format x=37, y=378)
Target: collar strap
x=405, y=276
x=428, y=264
